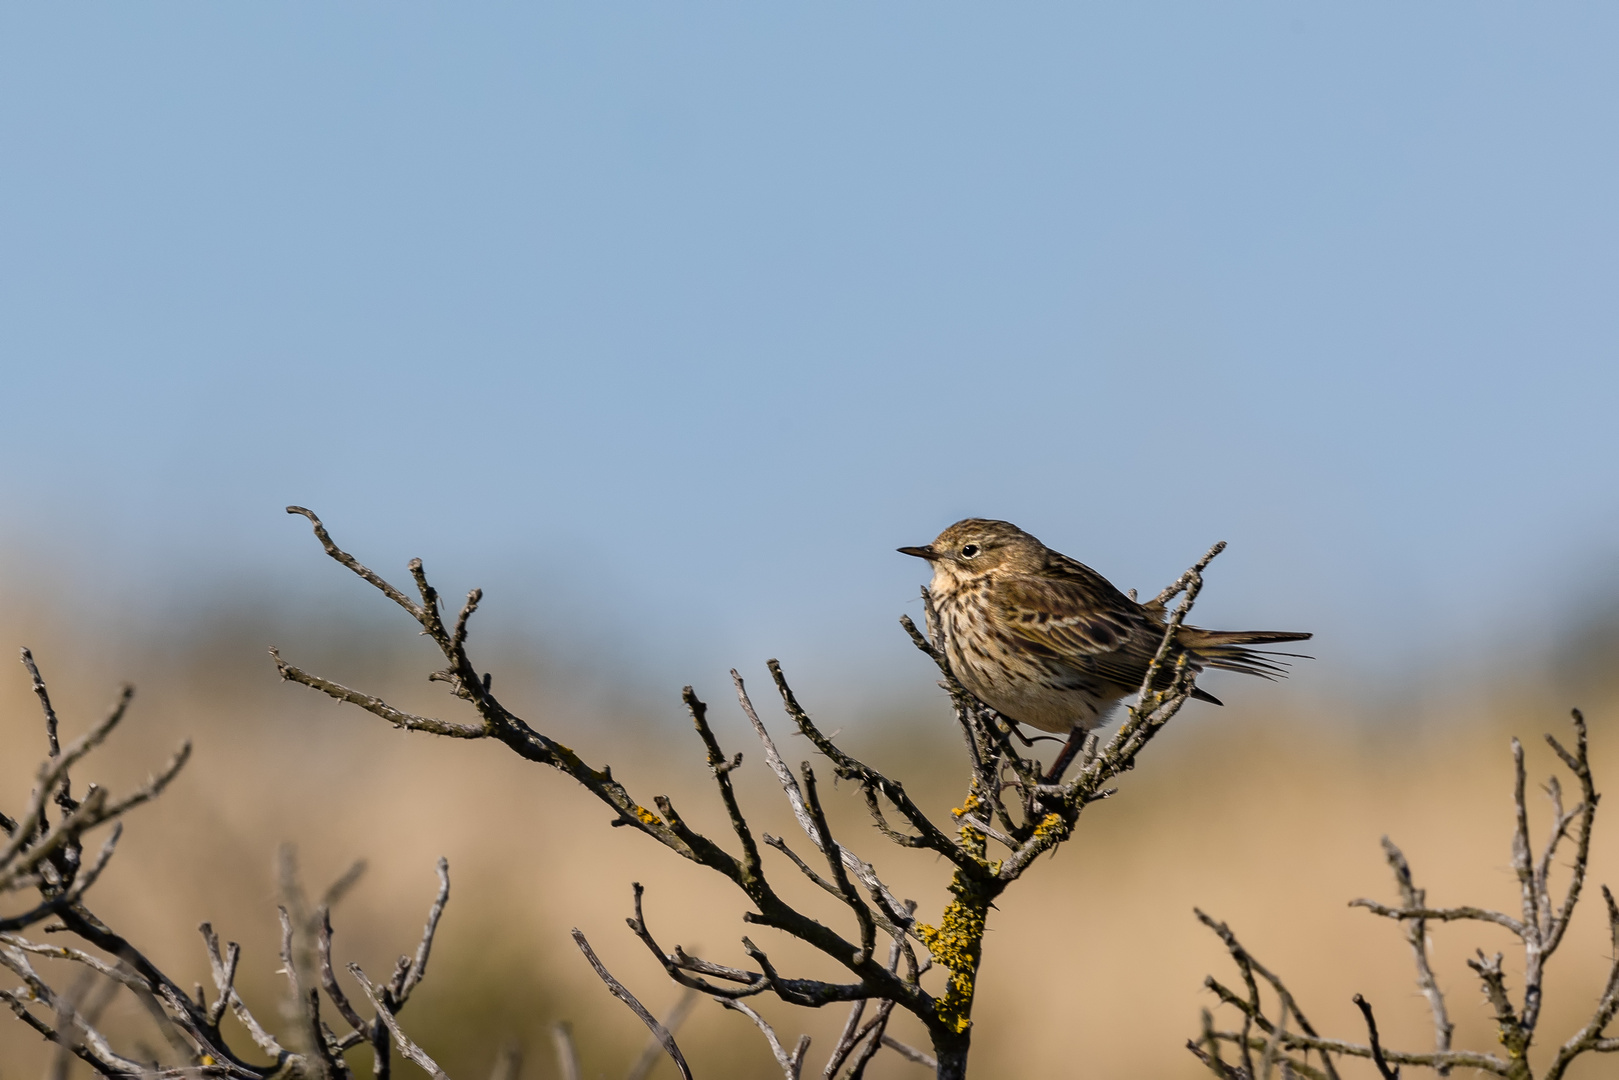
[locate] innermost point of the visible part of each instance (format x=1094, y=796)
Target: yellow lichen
x=1050, y=825
x=956, y=944
x=647, y=817
x=971, y=839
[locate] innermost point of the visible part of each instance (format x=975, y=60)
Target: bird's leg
x=1017, y=729
x=1071, y=748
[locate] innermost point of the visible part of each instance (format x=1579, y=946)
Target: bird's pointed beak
x=920, y=552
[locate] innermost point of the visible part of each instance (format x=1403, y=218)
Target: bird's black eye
x=969, y=550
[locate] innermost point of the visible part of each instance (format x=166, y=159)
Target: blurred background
x=666, y=325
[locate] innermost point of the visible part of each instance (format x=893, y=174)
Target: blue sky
x=668, y=323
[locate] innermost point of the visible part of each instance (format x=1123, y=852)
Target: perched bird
x=1049, y=642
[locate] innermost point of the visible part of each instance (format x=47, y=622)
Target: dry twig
x=1540, y=926
x=48, y=858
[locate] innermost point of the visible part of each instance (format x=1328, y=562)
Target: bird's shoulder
x=1071, y=606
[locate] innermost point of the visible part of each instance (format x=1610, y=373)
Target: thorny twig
x=1540, y=929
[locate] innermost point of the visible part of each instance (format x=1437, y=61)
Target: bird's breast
x=1004, y=673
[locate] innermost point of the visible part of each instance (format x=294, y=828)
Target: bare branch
x=305, y=1001
x=44, y=696
x=1512, y=1033
x=808, y=871
x=1249, y=967
x=567, y=1052
x=459, y=638
x=862, y=870
x=57, y=904
x=1382, y=1064
x=1441, y=914
x=1299, y=1041
x=153, y=787
x=849, y=768
x=376, y=706
x=1579, y=764
x=1191, y=575
x=328, y=977
x=678, y=964
x=1047, y=817
x=224, y=971
x=846, y=1041
x=752, y=872
x=617, y=989
x=870, y=1040
x=910, y=1053
x=418, y=965
x=340, y=888
x=862, y=914
x=354, y=564
x=1590, y=1037
x=401, y=1040
x=672, y=1023
x=792, y=1063
x=52, y=772
x=93, y=1050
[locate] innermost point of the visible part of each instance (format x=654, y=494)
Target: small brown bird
x=1049, y=642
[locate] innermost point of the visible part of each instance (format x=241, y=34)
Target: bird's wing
x=1072, y=613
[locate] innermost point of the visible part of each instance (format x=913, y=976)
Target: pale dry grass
x=1094, y=964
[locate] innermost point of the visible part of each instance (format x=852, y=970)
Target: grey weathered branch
x=49, y=857
x=791, y=1062
x=863, y=871
x=1416, y=935
x=1421, y=914
x=406, y=1047
x=1590, y=1037
x=618, y=990
x=1545, y=919
x=654, y=1051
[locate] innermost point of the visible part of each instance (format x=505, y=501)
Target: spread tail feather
x=1224, y=649
x=1194, y=638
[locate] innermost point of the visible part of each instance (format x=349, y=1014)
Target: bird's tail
x=1225, y=649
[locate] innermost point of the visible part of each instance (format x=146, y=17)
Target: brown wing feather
x=1074, y=614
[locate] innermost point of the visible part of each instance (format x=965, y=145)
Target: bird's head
x=977, y=546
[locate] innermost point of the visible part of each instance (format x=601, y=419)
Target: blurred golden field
x=1266, y=814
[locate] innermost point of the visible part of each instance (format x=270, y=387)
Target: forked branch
x=1540, y=929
